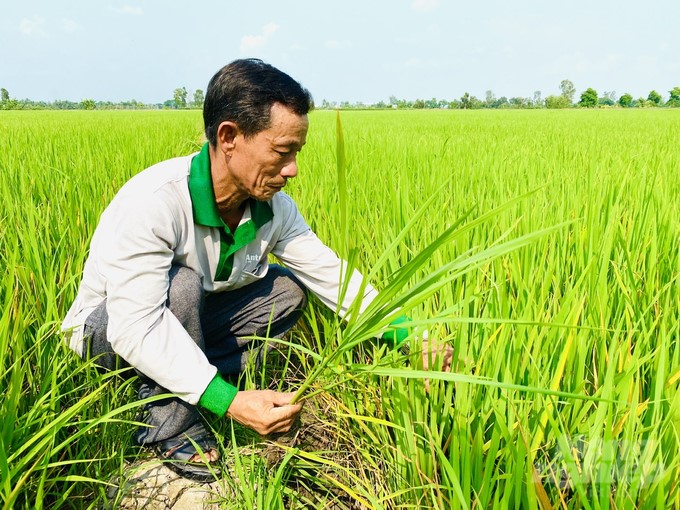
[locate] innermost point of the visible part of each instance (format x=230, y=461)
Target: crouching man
x=178, y=278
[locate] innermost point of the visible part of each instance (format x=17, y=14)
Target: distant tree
x=87, y=104
x=489, y=99
x=394, y=101
x=641, y=102
x=419, y=104
x=554, y=102
x=61, y=104
x=180, y=97
x=468, y=102
x=568, y=90
x=654, y=97
x=674, y=100
x=5, y=102
x=518, y=102
x=132, y=104
x=501, y=102
x=537, y=98
x=626, y=100
x=608, y=98
x=588, y=98
x=432, y=103
x=199, y=97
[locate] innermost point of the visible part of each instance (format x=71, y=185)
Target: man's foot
x=193, y=454
x=210, y=455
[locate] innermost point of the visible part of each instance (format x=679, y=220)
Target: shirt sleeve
x=135, y=244
x=316, y=265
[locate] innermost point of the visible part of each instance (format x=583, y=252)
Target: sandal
x=176, y=452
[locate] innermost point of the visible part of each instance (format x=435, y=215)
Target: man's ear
x=227, y=132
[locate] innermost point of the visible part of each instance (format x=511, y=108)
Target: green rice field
x=543, y=245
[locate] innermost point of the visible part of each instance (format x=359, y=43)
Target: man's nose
x=290, y=169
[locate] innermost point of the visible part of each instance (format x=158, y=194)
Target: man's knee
x=291, y=291
x=185, y=295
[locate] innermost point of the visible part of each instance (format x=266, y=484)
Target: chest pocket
x=254, y=268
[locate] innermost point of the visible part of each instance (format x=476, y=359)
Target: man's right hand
x=264, y=411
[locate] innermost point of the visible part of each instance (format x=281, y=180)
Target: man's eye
x=282, y=153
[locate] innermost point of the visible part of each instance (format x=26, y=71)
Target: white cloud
x=69, y=26
x=337, y=45
x=34, y=27
x=269, y=29
x=424, y=5
x=252, y=42
x=249, y=43
x=129, y=9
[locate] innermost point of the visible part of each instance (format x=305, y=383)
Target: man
x=178, y=276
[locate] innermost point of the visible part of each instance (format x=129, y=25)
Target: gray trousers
x=218, y=323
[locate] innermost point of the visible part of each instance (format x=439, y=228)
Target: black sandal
x=176, y=452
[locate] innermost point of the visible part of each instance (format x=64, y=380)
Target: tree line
x=565, y=99
x=180, y=100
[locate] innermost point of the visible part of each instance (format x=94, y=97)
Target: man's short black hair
x=244, y=92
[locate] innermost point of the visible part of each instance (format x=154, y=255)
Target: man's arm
x=134, y=253
x=317, y=266
x=321, y=270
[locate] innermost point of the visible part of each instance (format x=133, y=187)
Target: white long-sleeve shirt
x=155, y=221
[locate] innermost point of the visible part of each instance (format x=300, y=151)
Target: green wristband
x=218, y=396
x=396, y=336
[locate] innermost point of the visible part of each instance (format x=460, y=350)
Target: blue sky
x=352, y=50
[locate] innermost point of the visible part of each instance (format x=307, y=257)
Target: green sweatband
x=218, y=396
x=396, y=336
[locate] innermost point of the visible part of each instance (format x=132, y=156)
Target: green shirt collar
x=203, y=196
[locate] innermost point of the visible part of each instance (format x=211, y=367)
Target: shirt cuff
x=218, y=396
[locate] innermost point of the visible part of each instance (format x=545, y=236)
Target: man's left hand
x=433, y=351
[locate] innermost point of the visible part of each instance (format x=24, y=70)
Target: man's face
x=260, y=165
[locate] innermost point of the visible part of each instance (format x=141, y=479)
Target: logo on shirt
x=250, y=259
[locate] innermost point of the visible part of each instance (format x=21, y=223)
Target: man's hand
x=433, y=351
x=264, y=411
